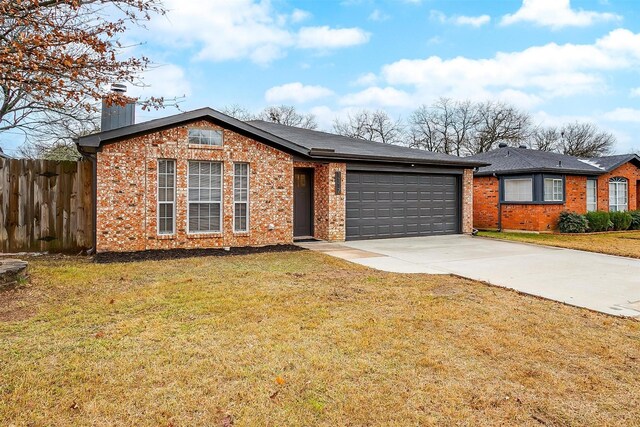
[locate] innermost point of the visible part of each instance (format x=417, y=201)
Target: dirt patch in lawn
x=301, y=338
x=160, y=255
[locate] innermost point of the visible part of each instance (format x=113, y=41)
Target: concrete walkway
x=600, y=282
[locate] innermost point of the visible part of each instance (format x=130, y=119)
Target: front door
x=303, y=202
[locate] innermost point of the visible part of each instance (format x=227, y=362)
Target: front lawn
x=301, y=338
x=622, y=244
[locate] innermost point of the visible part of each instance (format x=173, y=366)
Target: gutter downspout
x=499, y=204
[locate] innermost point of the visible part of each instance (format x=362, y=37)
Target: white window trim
x=166, y=203
x=248, y=197
x=504, y=187
x=195, y=233
x=553, y=190
x=617, y=183
x=595, y=200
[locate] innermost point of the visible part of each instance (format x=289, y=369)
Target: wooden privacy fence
x=45, y=205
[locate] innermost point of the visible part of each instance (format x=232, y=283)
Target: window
x=241, y=197
x=205, y=197
x=553, y=190
x=617, y=194
x=166, y=196
x=205, y=137
x=518, y=190
x=592, y=195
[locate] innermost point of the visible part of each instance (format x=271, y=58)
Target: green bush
x=571, y=222
x=598, y=221
x=621, y=220
x=635, y=220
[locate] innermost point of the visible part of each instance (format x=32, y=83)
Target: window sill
x=532, y=203
x=205, y=147
x=242, y=233
x=164, y=237
x=214, y=235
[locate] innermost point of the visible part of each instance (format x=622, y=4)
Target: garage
x=388, y=204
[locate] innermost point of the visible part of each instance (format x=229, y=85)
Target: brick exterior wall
x=127, y=191
x=329, y=208
x=544, y=217
x=467, y=201
x=628, y=171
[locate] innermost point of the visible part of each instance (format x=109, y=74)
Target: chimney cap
x=118, y=87
x=503, y=145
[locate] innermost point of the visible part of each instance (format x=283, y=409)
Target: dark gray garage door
x=383, y=205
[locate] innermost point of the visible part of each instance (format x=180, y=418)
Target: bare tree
x=422, y=130
x=545, y=138
x=60, y=56
x=585, y=140
x=498, y=122
x=371, y=126
x=238, y=112
x=288, y=115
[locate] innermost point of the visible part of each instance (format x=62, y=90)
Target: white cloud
x=296, y=92
x=167, y=81
x=555, y=14
x=221, y=30
x=368, y=79
x=378, y=96
x=473, y=21
x=378, y=16
x=635, y=92
x=547, y=71
x=330, y=38
x=299, y=15
x=629, y=115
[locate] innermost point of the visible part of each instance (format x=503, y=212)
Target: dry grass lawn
x=622, y=244
x=302, y=339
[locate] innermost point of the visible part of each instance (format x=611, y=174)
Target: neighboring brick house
x=525, y=189
x=203, y=179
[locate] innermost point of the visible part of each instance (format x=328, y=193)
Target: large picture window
x=592, y=195
x=618, y=194
x=166, y=196
x=241, y=197
x=205, y=197
x=553, y=191
x=518, y=190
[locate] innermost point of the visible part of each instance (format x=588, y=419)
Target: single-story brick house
x=524, y=189
x=202, y=179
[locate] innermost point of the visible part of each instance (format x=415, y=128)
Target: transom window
x=618, y=194
x=166, y=196
x=205, y=197
x=592, y=195
x=553, y=190
x=205, y=136
x=241, y=197
x=518, y=190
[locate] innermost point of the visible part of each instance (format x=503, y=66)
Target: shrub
x=621, y=220
x=598, y=221
x=635, y=220
x=571, y=222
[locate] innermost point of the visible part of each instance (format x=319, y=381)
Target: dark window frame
x=537, y=191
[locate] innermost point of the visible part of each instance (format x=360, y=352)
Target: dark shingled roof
x=302, y=142
x=512, y=160
x=329, y=145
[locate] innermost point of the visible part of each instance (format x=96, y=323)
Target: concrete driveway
x=604, y=283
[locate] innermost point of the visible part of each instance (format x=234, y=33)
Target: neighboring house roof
x=512, y=160
x=609, y=163
x=303, y=142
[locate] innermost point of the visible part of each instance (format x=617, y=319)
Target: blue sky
x=560, y=60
